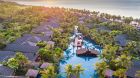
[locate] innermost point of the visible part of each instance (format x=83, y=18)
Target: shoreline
x=116, y=12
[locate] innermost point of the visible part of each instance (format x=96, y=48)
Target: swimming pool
x=88, y=63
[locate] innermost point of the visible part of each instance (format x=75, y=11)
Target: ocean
x=115, y=7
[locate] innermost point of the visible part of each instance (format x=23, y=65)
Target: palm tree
x=58, y=54
x=42, y=53
x=69, y=70
x=13, y=63
x=21, y=58
x=120, y=73
x=77, y=70
x=101, y=67
x=49, y=72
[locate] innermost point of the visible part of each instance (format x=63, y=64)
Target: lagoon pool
x=88, y=63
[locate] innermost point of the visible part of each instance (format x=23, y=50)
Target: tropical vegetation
x=17, y=20
x=74, y=72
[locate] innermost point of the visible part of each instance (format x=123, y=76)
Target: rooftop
x=133, y=69
x=6, y=71
x=30, y=56
x=109, y=72
x=32, y=73
x=44, y=65
x=22, y=48
x=5, y=55
x=121, y=39
x=51, y=42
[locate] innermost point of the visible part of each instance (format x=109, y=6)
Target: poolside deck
x=86, y=52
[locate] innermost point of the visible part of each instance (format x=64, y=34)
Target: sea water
x=115, y=7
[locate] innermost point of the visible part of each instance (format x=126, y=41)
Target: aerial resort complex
x=62, y=42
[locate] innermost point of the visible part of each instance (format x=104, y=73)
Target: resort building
x=133, y=70
x=31, y=73
x=5, y=72
x=26, y=48
x=121, y=39
x=45, y=65
x=108, y=73
x=134, y=23
x=103, y=19
x=51, y=43
x=5, y=55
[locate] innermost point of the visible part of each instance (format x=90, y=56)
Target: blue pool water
x=88, y=63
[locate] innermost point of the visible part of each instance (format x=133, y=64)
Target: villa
x=5, y=55
x=134, y=23
x=31, y=73
x=121, y=39
x=28, y=41
x=51, y=43
x=45, y=65
x=133, y=69
x=5, y=71
x=21, y=48
x=103, y=19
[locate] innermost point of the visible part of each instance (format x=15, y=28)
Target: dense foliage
x=16, y=20
x=49, y=72
x=18, y=63
x=116, y=59
x=74, y=71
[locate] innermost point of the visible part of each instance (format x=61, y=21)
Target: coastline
x=116, y=11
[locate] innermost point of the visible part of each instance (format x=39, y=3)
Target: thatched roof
x=40, y=29
x=51, y=42
x=22, y=48
x=86, y=52
x=121, y=39
x=6, y=71
x=133, y=69
x=32, y=73
x=35, y=64
x=44, y=65
x=109, y=73
x=5, y=55
x=30, y=56
x=22, y=39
